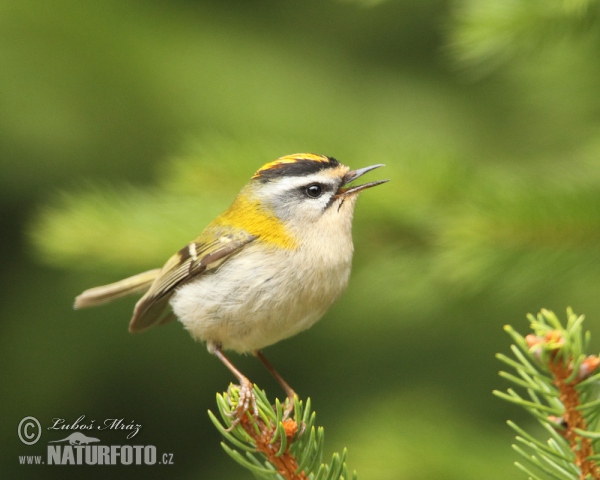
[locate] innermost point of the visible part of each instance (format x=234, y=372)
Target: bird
x=267, y=268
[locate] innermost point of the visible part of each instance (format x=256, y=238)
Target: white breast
x=264, y=294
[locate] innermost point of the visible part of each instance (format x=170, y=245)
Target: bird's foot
x=289, y=406
x=246, y=402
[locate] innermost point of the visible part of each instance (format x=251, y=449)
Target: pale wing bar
x=179, y=269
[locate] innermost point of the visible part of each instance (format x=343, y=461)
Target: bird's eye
x=314, y=190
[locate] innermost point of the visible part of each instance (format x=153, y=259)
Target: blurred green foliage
x=127, y=126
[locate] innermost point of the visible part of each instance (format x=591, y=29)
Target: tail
x=99, y=295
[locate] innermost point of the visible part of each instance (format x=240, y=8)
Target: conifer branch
x=276, y=448
x=488, y=32
x=558, y=375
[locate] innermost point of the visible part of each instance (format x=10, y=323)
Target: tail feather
x=106, y=293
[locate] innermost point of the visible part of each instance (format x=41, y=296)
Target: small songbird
x=267, y=268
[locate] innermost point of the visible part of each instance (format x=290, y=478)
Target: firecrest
x=267, y=268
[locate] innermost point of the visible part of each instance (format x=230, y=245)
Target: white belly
x=256, y=298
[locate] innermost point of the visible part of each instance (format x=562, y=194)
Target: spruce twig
x=559, y=379
x=274, y=447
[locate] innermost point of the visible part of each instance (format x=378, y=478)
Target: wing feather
x=194, y=259
x=106, y=293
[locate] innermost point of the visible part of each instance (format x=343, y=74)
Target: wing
x=194, y=259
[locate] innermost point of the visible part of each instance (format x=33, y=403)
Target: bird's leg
x=246, y=396
x=288, y=390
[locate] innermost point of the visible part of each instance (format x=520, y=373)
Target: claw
x=289, y=408
x=246, y=402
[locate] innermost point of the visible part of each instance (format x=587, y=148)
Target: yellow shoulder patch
x=247, y=214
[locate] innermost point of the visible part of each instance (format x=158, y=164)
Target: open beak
x=353, y=175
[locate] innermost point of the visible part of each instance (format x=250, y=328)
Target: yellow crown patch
x=296, y=158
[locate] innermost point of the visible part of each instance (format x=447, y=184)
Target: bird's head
x=300, y=194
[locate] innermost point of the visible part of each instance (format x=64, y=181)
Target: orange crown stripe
x=297, y=157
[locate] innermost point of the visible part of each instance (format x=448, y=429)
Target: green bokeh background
x=125, y=127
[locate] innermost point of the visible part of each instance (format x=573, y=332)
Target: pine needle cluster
x=275, y=447
x=561, y=386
